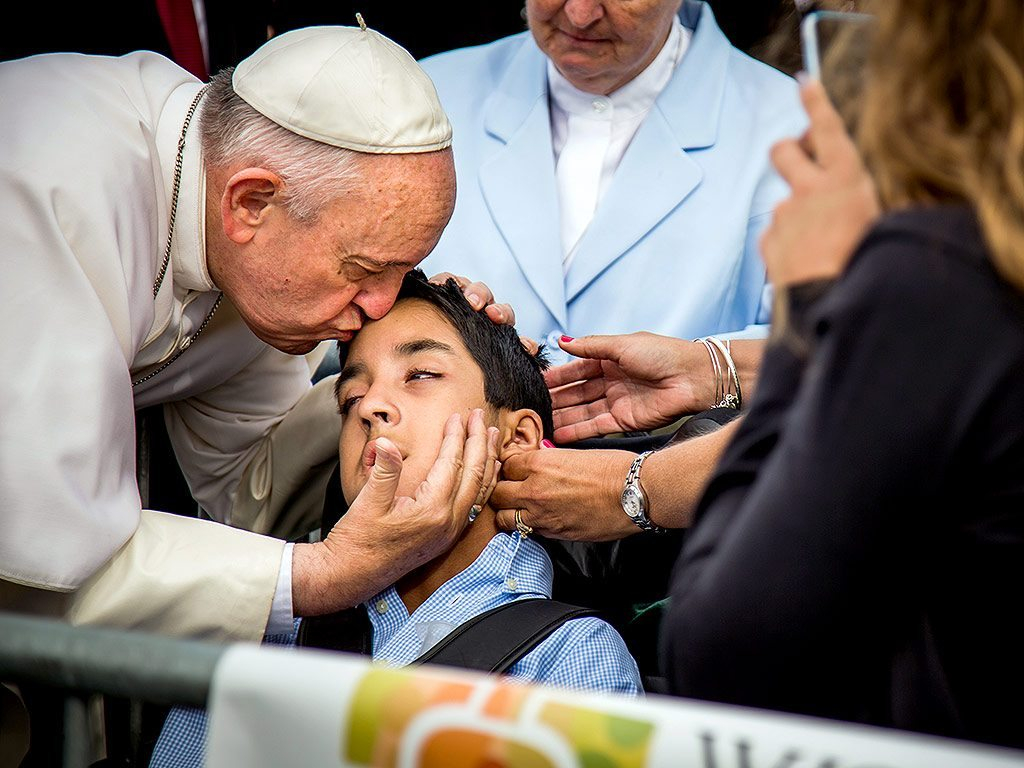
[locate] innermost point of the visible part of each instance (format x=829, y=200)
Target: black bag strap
x=348, y=630
x=498, y=638
x=490, y=642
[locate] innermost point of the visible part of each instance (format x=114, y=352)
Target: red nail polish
x=567, y=338
x=547, y=443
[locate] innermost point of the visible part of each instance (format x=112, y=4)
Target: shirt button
x=511, y=584
x=599, y=105
x=382, y=606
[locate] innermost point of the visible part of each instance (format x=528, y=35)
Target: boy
x=401, y=379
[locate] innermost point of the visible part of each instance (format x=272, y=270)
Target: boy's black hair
x=513, y=378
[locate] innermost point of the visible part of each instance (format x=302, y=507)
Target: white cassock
x=87, y=150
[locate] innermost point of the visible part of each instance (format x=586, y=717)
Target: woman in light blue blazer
x=673, y=244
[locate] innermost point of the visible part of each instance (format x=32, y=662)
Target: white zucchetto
x=349, y=87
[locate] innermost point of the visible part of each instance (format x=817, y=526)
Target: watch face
x=632, y=501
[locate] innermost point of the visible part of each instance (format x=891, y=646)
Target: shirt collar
x=508, y=563
x=635, y=97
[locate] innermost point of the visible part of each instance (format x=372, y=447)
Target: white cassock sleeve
x=184, y=577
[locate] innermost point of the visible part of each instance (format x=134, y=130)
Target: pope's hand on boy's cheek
x=382, y=536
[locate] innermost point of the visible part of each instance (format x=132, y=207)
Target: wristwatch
x=634, y=500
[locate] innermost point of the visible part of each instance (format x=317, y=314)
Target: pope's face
x=600, y=45
x=299, y=283
x=404, y=376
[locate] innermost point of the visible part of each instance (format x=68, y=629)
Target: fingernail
x=475, y=300
x=567, y=338
x=384, y=460
x=382, y=456
x=802, y=77
x=547, y=443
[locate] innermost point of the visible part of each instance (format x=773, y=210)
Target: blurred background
x=764, y=28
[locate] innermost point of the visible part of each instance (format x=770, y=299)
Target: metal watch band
x=643, y=522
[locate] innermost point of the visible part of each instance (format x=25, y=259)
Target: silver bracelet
x=733, y=374
x=716, y=370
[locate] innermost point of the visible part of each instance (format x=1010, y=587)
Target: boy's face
x=404, y=376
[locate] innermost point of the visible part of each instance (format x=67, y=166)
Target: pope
x=166, y=242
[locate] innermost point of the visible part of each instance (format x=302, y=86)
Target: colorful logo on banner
x=399, y=720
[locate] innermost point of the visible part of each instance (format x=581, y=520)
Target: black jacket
x=859, y=553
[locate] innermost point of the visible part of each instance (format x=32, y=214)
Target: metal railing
x=81, y=661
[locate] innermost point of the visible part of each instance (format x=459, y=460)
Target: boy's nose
x=376, y=410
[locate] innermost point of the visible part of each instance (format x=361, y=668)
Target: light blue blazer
x=673, y=246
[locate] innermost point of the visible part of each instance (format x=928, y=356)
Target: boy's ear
x=521, y=431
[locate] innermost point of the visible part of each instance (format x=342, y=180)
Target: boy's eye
x=347, y=403
x=420, y=375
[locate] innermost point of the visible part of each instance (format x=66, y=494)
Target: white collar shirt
x=590, y=134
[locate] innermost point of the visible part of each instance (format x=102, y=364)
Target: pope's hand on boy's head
x=479, y=297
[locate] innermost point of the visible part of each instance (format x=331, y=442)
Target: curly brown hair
x=942, y=116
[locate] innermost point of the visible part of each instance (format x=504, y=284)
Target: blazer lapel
x=656, y=175
x=518, y=181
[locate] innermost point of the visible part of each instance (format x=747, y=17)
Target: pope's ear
x=522, y=431
x=246, y=202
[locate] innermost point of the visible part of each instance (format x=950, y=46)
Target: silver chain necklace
x=167, y=249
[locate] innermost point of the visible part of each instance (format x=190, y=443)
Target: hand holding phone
x=832, y=198
x=835, y=50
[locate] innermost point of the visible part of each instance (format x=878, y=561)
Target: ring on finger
x=474, y=511
x=523, y=528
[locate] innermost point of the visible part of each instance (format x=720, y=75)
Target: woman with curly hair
x=859, y=552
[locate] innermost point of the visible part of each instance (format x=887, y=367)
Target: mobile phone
x=833, y=39
x=836, y=45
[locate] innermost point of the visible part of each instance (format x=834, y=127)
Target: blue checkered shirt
x=584, y=653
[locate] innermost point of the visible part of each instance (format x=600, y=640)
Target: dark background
x=236, y=28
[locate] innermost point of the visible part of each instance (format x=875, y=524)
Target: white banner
x=271, y=708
